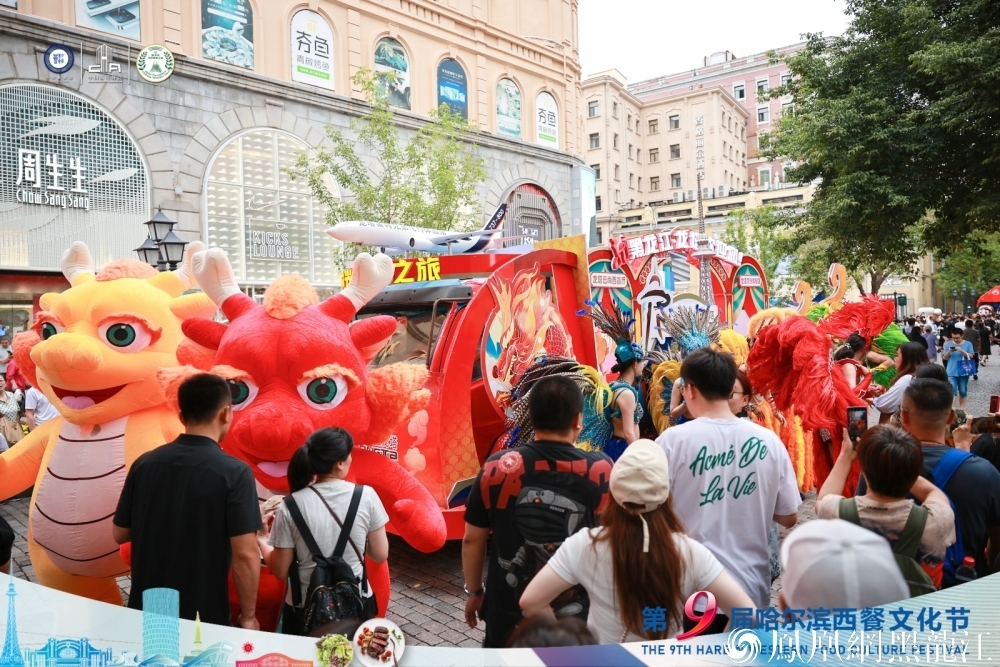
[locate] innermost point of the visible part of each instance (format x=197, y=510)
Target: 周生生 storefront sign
x=312, y=49
x=68, y=172
x=627, y=249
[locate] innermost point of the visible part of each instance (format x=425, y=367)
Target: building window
x=595, y=140
x=765, y=176
x=597, y=205
x=638, y=155
x=654, y=154
x=763, y=114
x=740, y=91
x=631, y=180
x=675, y=122
x=630, y=151
x=614, y=109
x=599, y=239
x=675, y=151
x=618, y=173
x=639, y=184
x=787, y=108
x=654, y=126
x=675, y=180
x=762, y=86
x=637, y=125
x=614, y=142
x=597, y=171
x=592, y=108
x=628, y=121
x=618, y=196
x=654, y=183
x=786, y=78
x=251, y=170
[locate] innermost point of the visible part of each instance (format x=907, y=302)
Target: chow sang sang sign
x=628, y=249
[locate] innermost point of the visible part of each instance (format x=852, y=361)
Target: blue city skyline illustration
x=160, y=629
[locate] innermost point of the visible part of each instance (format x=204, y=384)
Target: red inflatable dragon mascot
x=297, y=365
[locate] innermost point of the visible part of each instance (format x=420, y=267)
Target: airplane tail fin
x=497, y=219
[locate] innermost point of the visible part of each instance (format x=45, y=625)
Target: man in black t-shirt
x=190, y=510
x=532, y=498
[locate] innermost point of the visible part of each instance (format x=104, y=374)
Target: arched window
x=268, y=223
x=391, y=59
x=508, y=108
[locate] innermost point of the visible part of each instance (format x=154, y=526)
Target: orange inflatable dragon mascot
x=296, y=365
x=94, y=352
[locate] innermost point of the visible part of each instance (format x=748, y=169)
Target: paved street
x=427, y=599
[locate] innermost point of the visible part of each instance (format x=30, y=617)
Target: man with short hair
x=974, y=487
x=190, y=510
x=532, y=498
x=729, y=477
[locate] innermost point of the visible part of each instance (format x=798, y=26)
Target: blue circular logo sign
x=58, y=58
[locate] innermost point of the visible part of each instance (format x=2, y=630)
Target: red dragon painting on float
x=525, y=325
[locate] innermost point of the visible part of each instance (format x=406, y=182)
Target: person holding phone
x=956, y=351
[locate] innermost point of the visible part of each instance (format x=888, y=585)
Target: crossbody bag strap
x=307, y=537
x=848, y=511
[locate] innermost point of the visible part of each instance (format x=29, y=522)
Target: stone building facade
x=207, y=145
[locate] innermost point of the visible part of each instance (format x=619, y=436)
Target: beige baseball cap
x=641, y=476
x=833, y=563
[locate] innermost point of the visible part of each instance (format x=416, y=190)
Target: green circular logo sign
x=155, y=63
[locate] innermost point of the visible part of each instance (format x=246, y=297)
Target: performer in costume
x=849, y=357
x=871, y=320
x=625, y=409
x=597, y=428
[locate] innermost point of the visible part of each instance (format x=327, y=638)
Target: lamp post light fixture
x=162, y=248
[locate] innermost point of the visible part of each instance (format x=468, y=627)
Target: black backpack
x=905, y=549
x=333, y=603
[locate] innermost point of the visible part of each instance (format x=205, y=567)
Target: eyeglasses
x=737, y=393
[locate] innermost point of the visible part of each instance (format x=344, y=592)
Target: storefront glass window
x=268, y=223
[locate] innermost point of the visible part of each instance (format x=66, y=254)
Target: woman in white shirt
x=638, y=558
x=908, y=357
x=316, y=478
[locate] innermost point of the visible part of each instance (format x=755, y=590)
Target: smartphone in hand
x=857, y=423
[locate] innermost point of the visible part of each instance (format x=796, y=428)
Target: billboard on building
x=227, y=32
x=453, y=87
x=312, y=50
x=114, y=17
x=547, y=120
x=392, y=66
x=584, y=204
x=508, y=108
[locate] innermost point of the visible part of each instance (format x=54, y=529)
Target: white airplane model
x=395, y=239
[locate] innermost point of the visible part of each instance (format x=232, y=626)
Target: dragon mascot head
x=295, y=365
x=94, y=352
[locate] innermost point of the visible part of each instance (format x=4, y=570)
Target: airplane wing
x=463, y=236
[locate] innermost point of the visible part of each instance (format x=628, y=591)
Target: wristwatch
x=476, y=593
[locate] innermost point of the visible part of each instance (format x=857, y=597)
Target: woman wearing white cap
x=638, y=558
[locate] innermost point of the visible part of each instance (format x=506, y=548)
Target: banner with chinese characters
x=453, y=87
x=547, y=120
x=44, y=627
x=633, y=249
x=428, y=269
x=312, y=50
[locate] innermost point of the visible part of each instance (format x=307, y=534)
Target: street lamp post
x=162, y=248
x=954, y=300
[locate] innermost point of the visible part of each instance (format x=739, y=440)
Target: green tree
x=429, y=181
x=853, y=132
x=757, y=232
x=974, y=266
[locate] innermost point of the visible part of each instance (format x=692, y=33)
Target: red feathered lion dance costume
x=791, y=362
x=298, y=365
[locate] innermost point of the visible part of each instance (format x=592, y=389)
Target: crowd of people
x=565, y=545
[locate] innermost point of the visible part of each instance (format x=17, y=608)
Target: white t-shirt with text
x=284, y=534
x=728, y=478
x=581, y=560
